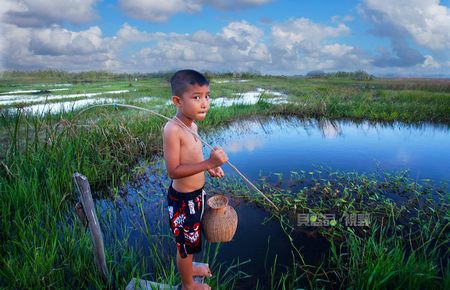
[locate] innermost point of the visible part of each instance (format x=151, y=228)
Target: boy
x=185, y=166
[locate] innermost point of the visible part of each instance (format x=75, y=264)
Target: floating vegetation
x=384, y=226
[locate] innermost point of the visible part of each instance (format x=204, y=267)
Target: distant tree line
x=96, y=76
x=72, y=77
x=358, y=75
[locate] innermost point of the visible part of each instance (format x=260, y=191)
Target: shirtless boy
x=186, y=166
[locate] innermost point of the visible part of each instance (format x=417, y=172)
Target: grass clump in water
x=402, y=244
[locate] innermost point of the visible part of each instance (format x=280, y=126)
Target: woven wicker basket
x=219, y=220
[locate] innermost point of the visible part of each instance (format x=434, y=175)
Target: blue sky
x=382, y=37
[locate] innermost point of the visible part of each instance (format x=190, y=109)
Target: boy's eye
x=207, y=97
x=197, y=97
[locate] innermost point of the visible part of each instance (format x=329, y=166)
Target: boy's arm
x=175, y=170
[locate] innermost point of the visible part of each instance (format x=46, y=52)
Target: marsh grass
x=405, y=246
x=42, y=244
x=39, y=248
x=408, y=100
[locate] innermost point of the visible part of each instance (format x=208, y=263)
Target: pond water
x=11, y=99
x=285, y=145
x=251, y=98
x=261, y=147
x=248, y=98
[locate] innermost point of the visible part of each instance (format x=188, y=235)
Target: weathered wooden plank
x=84, y=189
x=86, y=211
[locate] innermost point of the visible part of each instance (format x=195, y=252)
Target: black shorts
x=185, y=216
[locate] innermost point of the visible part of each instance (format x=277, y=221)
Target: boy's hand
x=217, y=157
x=216, y=172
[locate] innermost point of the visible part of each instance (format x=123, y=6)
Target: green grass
x=379, y=99
x=42, y=246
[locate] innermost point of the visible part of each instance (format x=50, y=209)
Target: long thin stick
x=179, y=122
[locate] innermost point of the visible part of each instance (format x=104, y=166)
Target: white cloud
x=295, y=46
x=242, y=32
x=160, y=11
x=60, y=41
x=429, y=62
x=303, y=34
x=129, y=33
x=235, y=4
x=426, y=21
x=155, y=10
x=239, y=46
x=54, y=48
x=38, y=13
x=336, y=49
x=300, y=45
x=243, y=42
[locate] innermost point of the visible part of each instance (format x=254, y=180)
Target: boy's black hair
x=182, y=79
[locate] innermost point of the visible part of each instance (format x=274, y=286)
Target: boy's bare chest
x=191, y=148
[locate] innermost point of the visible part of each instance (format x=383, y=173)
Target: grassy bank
x=414, y=100
x=42, y=246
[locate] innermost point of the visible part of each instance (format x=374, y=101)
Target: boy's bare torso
x=190, y=153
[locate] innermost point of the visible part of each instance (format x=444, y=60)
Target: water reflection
x=251, y=98
x=55, y=108
x=245, y=144
x=291, y=144
x=330, y=129
x=19, y=99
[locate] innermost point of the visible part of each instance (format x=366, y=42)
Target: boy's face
x=194, y=103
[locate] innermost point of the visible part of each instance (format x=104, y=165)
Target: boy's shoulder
x=171, y=127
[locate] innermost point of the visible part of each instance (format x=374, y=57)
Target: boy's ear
x=176, y=100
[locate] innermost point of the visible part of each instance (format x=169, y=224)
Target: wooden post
x=86, y=211
x=84, y=189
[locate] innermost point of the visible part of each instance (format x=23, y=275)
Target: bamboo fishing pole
x=182, y=125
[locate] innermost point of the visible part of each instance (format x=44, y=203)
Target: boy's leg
x=186, y=271
x=201, y=270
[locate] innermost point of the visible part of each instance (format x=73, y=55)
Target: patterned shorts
x=185, y=215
